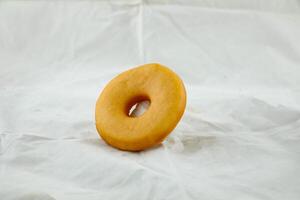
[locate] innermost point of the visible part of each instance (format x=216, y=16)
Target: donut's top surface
x=153, y=82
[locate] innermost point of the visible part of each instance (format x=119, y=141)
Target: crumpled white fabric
x=239, y=137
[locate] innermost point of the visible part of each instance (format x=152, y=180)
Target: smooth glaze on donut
x=153, y=82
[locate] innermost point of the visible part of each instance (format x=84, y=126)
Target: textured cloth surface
x=238, y=139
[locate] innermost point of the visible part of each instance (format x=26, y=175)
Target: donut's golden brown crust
x=153, y=82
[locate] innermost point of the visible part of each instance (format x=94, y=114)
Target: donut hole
x=138, y=108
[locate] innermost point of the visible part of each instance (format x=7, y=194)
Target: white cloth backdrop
x=239, y=137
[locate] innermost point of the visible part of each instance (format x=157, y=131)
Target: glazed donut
x=153, y=82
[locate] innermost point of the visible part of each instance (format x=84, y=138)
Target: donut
x=153, y=82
